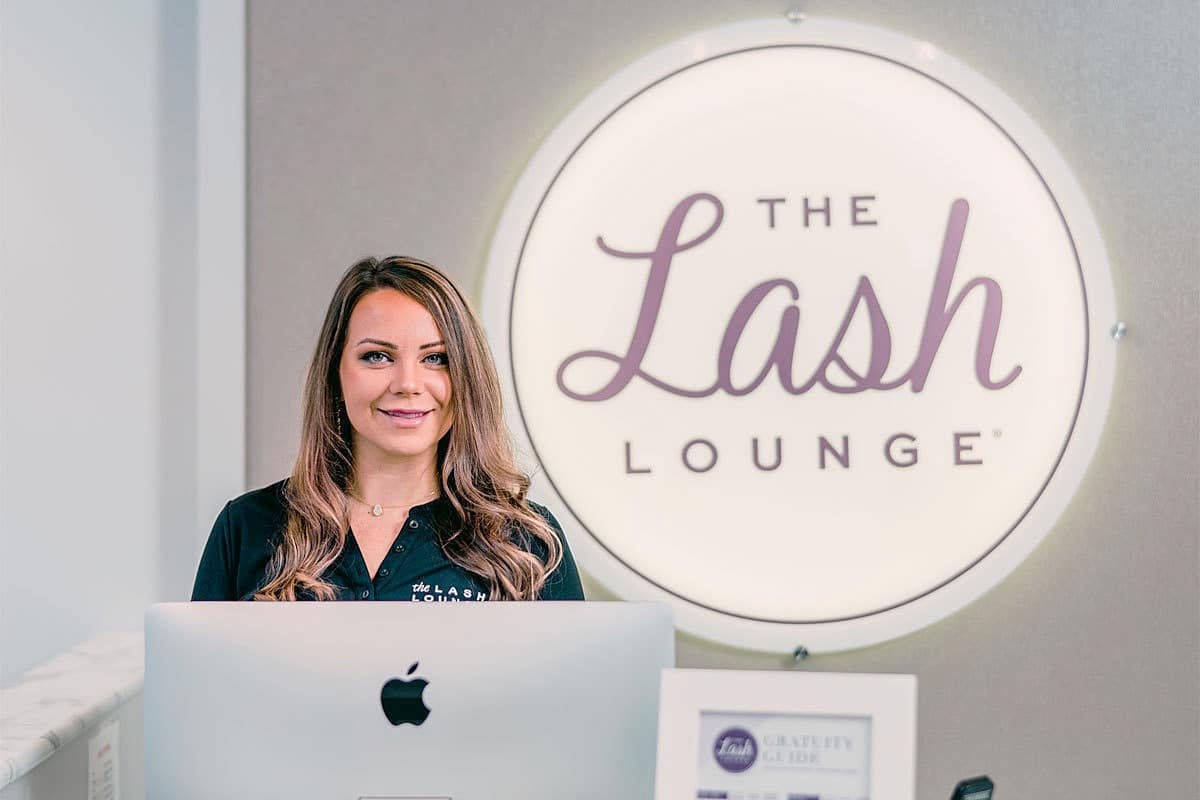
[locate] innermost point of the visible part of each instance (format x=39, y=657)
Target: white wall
x=99, y=318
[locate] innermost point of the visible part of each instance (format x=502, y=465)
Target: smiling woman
x=396, y=392
x=405, y=487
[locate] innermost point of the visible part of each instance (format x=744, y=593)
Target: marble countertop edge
x=55, y=702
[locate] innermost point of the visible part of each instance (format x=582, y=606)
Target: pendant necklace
x=377, y=509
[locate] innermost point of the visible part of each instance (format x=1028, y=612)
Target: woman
x=405, y=487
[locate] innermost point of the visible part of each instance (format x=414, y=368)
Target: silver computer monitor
x=327, y=700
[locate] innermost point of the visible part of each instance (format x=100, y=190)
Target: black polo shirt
x=248, y=530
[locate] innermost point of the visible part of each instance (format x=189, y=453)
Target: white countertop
x=55, y=702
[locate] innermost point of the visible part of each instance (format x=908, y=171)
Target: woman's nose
x=404, y=379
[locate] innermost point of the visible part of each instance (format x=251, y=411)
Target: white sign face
x=801, y=324
x=743, y=735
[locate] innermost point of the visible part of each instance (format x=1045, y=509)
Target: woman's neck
x=395, y=484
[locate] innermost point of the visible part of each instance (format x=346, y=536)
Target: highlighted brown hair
x=476, y=469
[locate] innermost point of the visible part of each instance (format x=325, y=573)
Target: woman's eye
x=375, y=357
x=437, y=359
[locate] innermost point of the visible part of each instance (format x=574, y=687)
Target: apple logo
x=402, y=700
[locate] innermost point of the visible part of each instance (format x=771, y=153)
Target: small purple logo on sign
x=735, y=750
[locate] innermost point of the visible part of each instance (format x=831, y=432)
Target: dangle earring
x=340, y=411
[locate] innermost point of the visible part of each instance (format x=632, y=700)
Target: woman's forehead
x=391, y=316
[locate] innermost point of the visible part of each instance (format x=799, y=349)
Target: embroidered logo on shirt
x=424, y=593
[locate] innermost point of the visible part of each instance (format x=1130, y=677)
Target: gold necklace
x=377, y=509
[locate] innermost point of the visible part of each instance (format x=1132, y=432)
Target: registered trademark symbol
x=997, y=433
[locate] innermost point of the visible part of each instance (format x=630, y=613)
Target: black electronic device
x=980, y=788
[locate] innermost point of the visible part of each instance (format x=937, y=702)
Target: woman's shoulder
x=259, y=512
x=563, y=583
x=267, y=500
x=545, y=514
x=241, y=544
x=534, y=543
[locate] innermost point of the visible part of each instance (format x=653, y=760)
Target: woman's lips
x=405, y=419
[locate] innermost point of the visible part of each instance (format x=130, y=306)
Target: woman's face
x=395, y=380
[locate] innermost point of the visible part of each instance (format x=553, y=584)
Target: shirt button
x=399, y=548
x=365, y=594
x=413, y=523
x=384, y=572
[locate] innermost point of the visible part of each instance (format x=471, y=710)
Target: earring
x=339, y=411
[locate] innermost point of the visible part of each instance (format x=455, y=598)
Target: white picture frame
x=794, y=720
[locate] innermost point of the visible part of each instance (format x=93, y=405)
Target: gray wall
x=401, y=127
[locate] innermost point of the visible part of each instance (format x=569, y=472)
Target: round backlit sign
x=802, y=326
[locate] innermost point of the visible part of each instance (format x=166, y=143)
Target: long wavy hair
x=493, y=529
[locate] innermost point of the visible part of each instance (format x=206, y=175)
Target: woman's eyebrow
x=382, y=343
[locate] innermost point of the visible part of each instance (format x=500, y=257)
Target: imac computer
x=342, y=701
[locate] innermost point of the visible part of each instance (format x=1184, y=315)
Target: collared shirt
x=248, y=530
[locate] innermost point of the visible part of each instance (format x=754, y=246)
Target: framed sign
x=740, y=735
x=804, y=328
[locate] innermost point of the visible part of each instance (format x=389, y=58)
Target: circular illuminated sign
x=802, y=324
